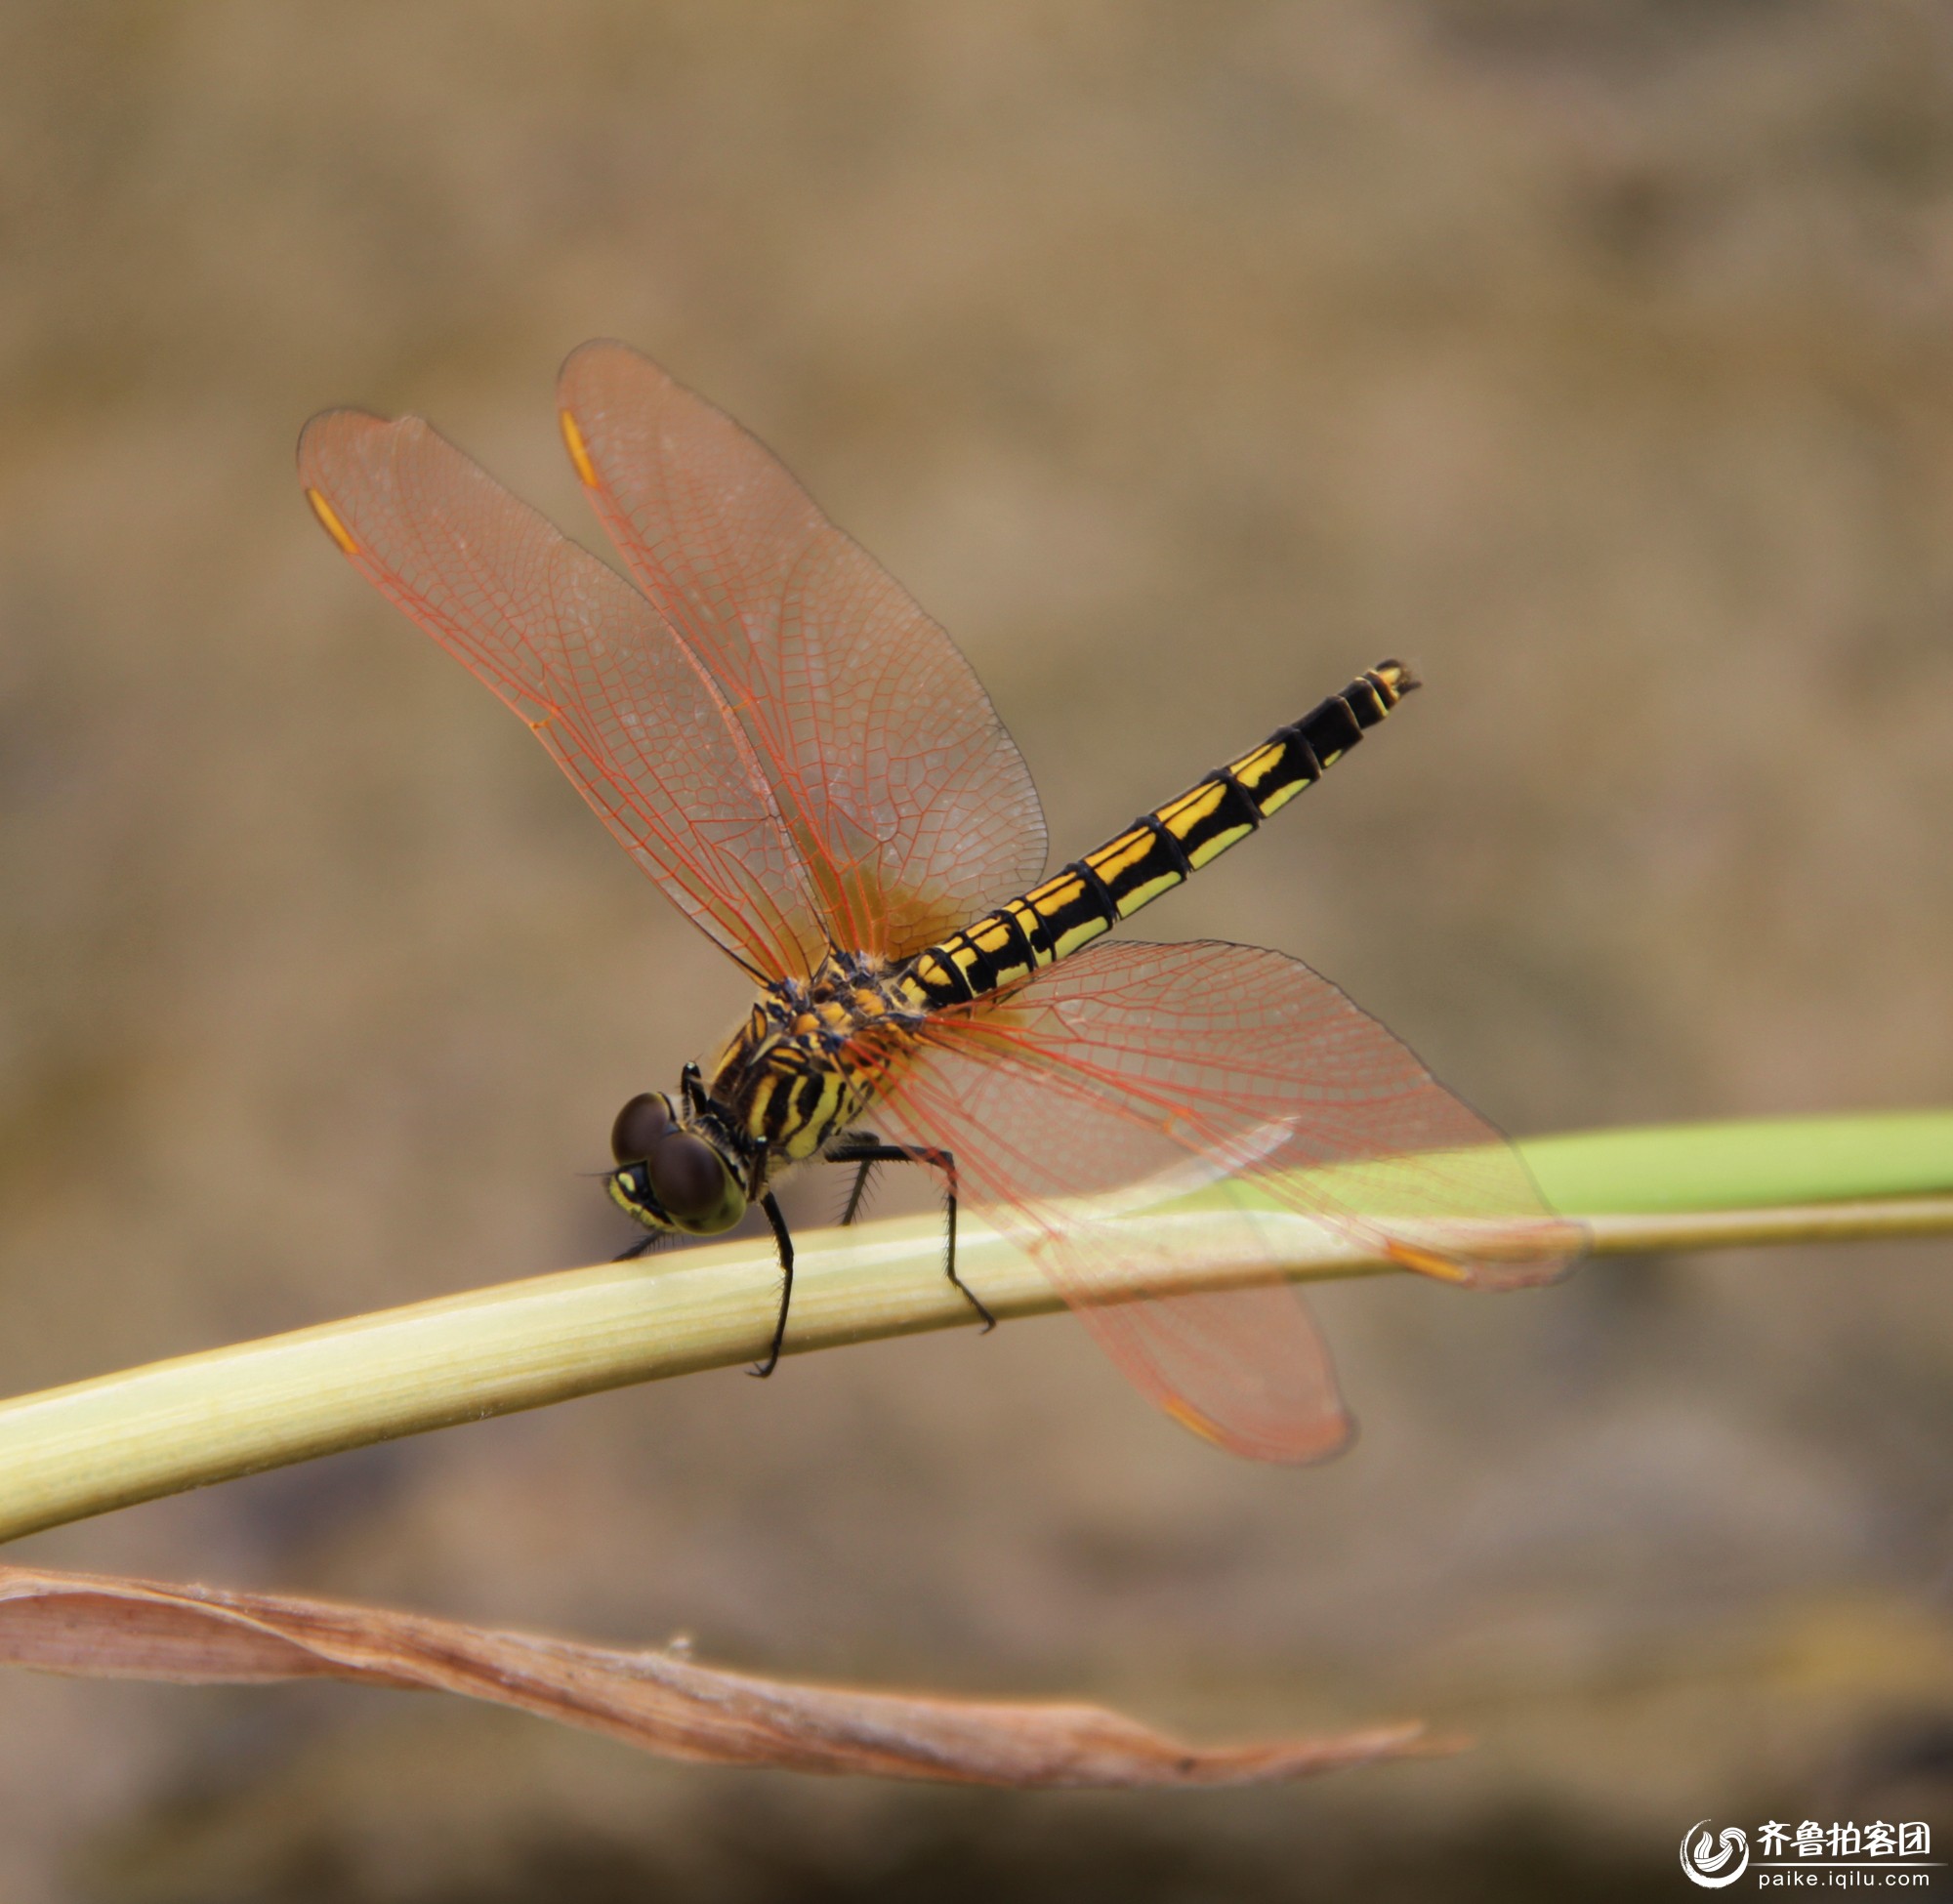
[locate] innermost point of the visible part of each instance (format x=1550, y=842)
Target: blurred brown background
x=1182, y=360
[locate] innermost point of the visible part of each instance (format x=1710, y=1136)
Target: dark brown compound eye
x=687, y=1176
x=640, y=1126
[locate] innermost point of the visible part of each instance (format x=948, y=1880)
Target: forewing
x=900, y=788
x=621, y=704
x=1152, y=1071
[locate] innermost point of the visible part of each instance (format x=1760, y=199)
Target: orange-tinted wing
x=1155, y=1069
x=619, y=701
x=901, y=789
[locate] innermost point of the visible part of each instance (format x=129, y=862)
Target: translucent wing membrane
x=619, y=701
x=900, y=790
x=1152, y=1071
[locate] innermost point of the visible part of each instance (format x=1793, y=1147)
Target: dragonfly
x=810, y=769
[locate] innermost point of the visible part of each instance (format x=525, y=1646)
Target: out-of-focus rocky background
x=1182, y=358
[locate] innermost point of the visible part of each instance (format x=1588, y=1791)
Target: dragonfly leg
x=868, y=1151
x=858, y=1189
x=785, y=1241
x=644, y=1246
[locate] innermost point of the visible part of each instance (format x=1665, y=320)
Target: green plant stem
x=1765, y=1160
x=71, y=1452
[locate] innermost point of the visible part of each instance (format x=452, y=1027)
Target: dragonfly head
x=670, y=1173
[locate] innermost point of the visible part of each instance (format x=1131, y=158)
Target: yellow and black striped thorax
x=810, y=1057
x=1154, y=855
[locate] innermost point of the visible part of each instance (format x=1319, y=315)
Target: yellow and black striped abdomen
x=1154, y=855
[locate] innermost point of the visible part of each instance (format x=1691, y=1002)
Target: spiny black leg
x=858, y=1190
x=780, y=1236
x=644, y=1246
x=945, y=1163
x=865, y=1149
x=869, y=1151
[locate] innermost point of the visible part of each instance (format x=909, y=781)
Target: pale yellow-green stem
x=71, y=1452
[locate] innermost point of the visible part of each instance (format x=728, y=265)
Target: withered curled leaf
x=107, y=1626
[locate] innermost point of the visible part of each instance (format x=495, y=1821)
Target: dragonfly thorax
x=808, y=1060
x=803, y=1066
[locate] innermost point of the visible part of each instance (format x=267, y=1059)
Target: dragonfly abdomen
x=1158, y=852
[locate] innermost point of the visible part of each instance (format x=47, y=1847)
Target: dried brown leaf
x=107, y=1626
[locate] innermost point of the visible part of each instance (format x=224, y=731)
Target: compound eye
x=687, y=1176
x=640, y=1126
